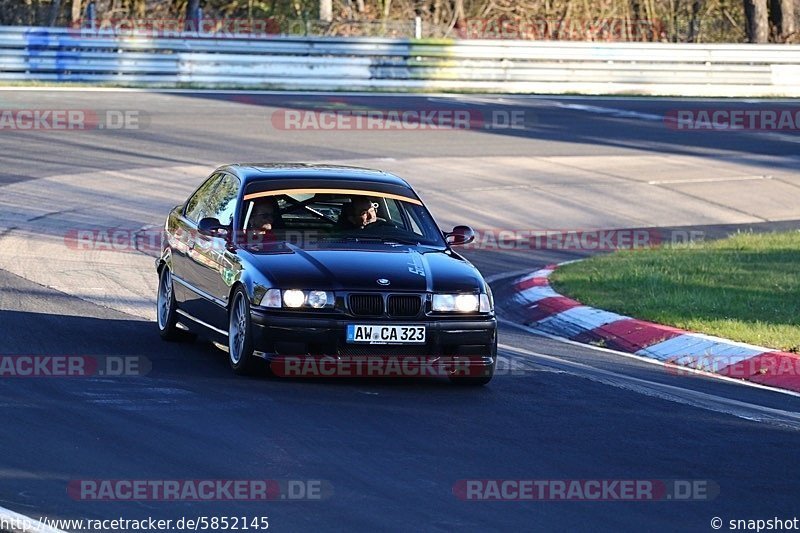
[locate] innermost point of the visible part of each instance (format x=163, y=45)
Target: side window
x=413, y=219
x=196, y=207
x=222, y=200
x=393, y=211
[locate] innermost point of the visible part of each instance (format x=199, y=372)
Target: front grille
x=366, y=304
x=404, y=305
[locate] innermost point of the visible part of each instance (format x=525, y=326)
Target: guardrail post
x=91, y=15
x=418, y=27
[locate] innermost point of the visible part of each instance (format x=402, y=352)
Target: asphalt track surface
x=391, y=451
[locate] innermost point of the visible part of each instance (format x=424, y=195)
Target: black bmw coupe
x=323, y=262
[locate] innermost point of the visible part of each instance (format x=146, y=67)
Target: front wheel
x=240, y=335
x=475, y=381
x=479, y=378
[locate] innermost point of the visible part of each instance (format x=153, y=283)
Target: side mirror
x=211, y=227
x=460, y=235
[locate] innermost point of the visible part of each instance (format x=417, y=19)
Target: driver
x=360, y=212
x=263, y=218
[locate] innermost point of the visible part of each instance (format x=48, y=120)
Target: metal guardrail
x=67, y=55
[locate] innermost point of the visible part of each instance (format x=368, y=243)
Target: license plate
x=375, y=334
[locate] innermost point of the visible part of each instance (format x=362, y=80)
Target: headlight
x=460, y=303
x=271, y=298
x=264, y=297
x=467, y=303
x=487, y=305
x=317, y=299
x=293, y=298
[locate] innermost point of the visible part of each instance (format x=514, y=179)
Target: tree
x=191, y=23
x=787, y=23
x=76, y=11
x=52, y=17
x=757, y=16
x=325, y=10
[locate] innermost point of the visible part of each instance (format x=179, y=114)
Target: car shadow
x=137, y=342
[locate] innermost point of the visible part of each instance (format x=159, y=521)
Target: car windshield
x=310, y=218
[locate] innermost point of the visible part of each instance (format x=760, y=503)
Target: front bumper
x=326, y=336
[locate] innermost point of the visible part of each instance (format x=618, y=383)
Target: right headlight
x=267, y=298
x=456, y=303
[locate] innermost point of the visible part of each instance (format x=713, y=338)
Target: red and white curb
x=541, y=308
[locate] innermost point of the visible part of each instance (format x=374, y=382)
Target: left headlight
x=487, y=303
x=457, y=303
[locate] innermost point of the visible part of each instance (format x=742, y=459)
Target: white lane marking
x=709, y=180
x=647, y=359
x=10, y=517
x=467, y=99
x=785, y=137
x=664, y=391
x=495, y=277
x=618, y=113
x=624, y=113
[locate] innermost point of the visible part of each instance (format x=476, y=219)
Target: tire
x=474, y=381
x=240, y=335
x=166, y=317
x=478, y=381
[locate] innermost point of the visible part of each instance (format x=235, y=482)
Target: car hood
x=405, y=268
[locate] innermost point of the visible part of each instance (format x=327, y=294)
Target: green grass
x=744, y=288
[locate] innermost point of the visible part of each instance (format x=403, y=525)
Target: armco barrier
x=324, y=63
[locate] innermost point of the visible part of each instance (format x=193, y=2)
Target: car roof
x=249, y=172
